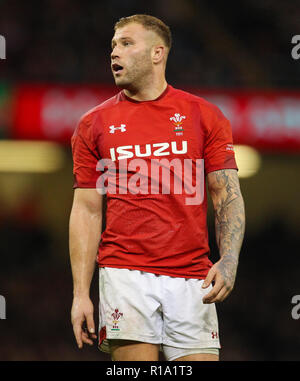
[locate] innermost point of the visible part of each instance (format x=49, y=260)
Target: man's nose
x=115, y=53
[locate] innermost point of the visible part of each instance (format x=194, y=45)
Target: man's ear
x=158, y=53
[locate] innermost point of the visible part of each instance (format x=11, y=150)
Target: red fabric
x=102, y=335
x=157, y=233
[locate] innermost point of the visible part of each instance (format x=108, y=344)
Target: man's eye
x=126, y=43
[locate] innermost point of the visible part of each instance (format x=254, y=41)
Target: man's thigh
x=129, y=350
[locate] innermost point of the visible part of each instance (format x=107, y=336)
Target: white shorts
x=157, y=309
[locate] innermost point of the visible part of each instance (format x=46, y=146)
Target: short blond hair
x=149, y=23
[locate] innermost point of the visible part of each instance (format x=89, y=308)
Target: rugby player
x=158, y=287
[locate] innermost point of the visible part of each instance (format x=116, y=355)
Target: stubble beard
x=137, y=74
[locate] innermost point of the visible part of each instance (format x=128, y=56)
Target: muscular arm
x=229, y=211
x=84, y=236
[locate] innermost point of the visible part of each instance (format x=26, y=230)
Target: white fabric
x=158, y=309
x=172, y=353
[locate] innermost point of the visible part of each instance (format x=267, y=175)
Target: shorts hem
x=202, y=344
x=193, y=351
x=135, y=337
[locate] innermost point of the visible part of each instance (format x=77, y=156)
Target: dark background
x=217, y=44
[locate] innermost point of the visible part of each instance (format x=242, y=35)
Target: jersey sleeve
x=85, y=156
x=218, y=149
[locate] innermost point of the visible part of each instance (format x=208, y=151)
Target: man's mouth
x=116, y=68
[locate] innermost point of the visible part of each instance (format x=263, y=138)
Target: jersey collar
x=162, y=95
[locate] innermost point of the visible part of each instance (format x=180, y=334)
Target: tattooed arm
x=229, y=210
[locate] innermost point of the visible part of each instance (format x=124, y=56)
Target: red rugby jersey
x=152, y=227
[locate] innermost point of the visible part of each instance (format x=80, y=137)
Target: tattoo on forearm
x=229, y=221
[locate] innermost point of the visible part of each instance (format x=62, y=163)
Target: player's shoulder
x=89, y=117
x=87, y=121
x=203, y=104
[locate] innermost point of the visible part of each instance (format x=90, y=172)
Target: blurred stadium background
x=57, y=66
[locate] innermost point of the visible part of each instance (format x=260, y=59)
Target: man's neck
x=147, y=93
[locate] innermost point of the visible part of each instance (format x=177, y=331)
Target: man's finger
x=85, y=338
x=90, y=324
x=219, y=283
x=77, y=332
x=221, y=295
x=209, y=278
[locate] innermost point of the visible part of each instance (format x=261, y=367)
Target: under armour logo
x=122, y=128
x=214, y=335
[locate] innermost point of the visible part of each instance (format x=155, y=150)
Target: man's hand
x=82, y=313
x=223, y=274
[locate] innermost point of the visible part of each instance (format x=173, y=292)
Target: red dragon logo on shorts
x=116, y=316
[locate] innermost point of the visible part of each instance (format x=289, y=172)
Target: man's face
x=131, y=55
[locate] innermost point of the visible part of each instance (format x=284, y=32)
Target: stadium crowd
x=215, y=44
